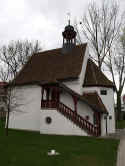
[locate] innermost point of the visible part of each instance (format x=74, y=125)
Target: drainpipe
x=106, y=126
x=42, y=92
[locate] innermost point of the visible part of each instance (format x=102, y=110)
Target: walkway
x=121, y=151
x=120, y=134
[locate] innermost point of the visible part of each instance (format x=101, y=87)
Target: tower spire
x=69, y=16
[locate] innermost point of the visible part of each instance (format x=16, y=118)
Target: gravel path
x=120, y=134
x=121, y=152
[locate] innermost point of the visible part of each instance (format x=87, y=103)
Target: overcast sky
x=39, y=19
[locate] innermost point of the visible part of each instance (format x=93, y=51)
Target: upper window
x=103, y=92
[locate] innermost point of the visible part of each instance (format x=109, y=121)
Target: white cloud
x=42, y=19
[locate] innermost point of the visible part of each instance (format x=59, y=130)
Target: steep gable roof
x=52, y=65
x=94, y=99
x=95, y=77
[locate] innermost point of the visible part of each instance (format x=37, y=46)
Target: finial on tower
x=69, y=16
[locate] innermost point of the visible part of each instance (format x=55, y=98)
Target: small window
x=103, y=92
x=105, y=117
x=110, y=117
x=48, y=120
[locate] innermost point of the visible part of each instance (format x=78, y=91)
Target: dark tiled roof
x=95, y=77
x=52, y=65
x=94, y=99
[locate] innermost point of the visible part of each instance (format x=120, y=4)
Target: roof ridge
x=93, y=72
x=56, y=49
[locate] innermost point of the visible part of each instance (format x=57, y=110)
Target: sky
x=42, y=20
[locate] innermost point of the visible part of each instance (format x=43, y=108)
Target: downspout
x=106, y=126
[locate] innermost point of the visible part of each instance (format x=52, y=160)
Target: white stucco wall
x=60, y=125
x=74, y=85
x=27, y=114
x=67, y=99
x=82, y=108
x=108, y=101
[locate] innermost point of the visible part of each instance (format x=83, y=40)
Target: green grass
x=23, y=148
x=120, y=124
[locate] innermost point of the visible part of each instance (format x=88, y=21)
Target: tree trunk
x=7, y=122
x=118, y=110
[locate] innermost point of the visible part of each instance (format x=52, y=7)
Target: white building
x=64, y=93
x=3, y=108
x=123, y=103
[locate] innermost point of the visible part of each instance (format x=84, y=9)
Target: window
x=105, y=117
x=110, y=117
x=48, y=120
x=103, y=92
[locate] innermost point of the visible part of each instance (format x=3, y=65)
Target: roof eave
x=99, y=85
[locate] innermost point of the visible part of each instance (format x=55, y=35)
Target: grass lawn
x=22, y=148
x=120, y=124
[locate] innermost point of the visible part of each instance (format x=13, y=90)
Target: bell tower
x=69, y=38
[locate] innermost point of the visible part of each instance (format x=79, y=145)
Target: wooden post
x=47, y=90
x=75, y=103
x=98, y=120
x=42, y=92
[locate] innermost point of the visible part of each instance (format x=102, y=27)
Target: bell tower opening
x=69, y=38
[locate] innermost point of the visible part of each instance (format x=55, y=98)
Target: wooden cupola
x=69, y=38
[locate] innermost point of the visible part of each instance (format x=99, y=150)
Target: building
x=64, y=92
x=2, y=100
x=123, y=103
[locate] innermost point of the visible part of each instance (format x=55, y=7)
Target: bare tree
x=116, y=64
x=13, y=56
x=16, y=54
x=100, y=26
x=12, y=100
